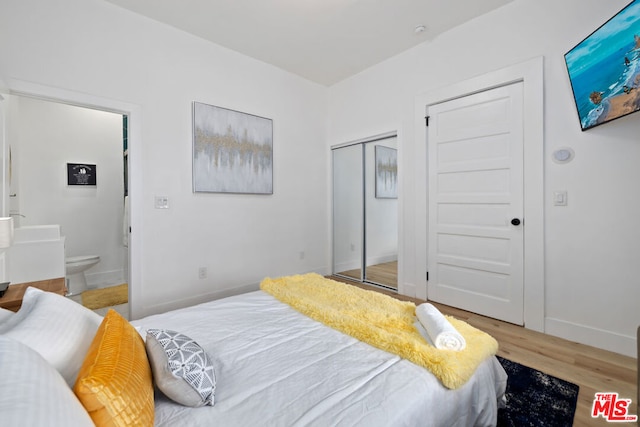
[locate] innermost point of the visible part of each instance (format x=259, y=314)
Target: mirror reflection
x=365, y=217
x=348, y=212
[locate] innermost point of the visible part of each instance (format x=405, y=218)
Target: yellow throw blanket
x=383, y=322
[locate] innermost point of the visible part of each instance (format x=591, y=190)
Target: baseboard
x=382, y=259
x=594, y=337
x=103, y=279
x=217, y=294
x=348, y=265
x=374, y=260
x=198, y=299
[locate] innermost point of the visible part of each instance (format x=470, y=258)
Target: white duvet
x=277, y=367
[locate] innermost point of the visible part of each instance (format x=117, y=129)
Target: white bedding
x=277, y=367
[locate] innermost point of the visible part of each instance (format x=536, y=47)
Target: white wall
x=4, y=198
x=592, y=245
x=93, y=48
x=381, y=213
x=45, y=136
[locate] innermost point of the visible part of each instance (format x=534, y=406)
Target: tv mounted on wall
x=604, y=69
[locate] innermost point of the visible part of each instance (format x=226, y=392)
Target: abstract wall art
x=232, y=151
x=386, y=172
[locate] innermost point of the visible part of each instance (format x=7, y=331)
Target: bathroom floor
x=123, y=309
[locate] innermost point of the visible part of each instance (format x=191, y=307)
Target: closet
x=365, y=210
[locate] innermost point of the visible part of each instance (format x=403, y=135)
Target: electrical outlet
x=202, y=273
x=560, y=198
x=302, y=254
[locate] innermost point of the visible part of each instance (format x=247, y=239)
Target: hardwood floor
x=385, y=274
x=593, y=369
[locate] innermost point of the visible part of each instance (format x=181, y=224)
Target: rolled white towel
x=441, y=332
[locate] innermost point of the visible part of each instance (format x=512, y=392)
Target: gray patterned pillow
x=181, y=368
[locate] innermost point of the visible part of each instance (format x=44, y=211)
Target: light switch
x=162, y=202
x=560, y=198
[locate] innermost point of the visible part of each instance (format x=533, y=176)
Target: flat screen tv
x=604, y=69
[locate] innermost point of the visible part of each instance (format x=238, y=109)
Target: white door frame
x=531, y=74
x=134, y=139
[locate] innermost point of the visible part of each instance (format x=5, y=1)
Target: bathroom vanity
x=36, y=258
x=37, y=254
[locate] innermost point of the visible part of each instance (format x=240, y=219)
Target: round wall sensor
x=563, y=155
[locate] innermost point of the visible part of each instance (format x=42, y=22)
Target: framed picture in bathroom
x=232, y=151
x=81, y=174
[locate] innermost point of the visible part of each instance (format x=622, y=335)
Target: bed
x=273, y=367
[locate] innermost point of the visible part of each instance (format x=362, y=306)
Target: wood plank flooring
x=385, y=274
x=593, y=369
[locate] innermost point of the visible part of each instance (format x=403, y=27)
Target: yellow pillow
x=114, y=383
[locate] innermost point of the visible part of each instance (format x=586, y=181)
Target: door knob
x=515, y=221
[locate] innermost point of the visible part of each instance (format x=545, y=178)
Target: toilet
x=75, y=268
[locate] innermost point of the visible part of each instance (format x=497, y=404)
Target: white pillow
x=59, y=329
x=33, y=393
x=5, y=314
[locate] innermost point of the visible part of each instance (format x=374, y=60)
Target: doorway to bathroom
x=365, y=211
x=46, y=137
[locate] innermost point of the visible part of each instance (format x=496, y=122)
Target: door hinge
x=427, y=276
x=426, y=121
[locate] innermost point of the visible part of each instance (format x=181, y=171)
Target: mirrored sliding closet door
x=365, y=211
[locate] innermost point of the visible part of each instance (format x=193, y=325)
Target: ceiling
x=324, y=41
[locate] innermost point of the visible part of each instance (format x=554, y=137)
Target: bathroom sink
x=37, y=254
x=36, y=233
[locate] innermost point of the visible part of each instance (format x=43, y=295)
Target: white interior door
x=476, y=203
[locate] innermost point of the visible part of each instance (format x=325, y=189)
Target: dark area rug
x=536, y=399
